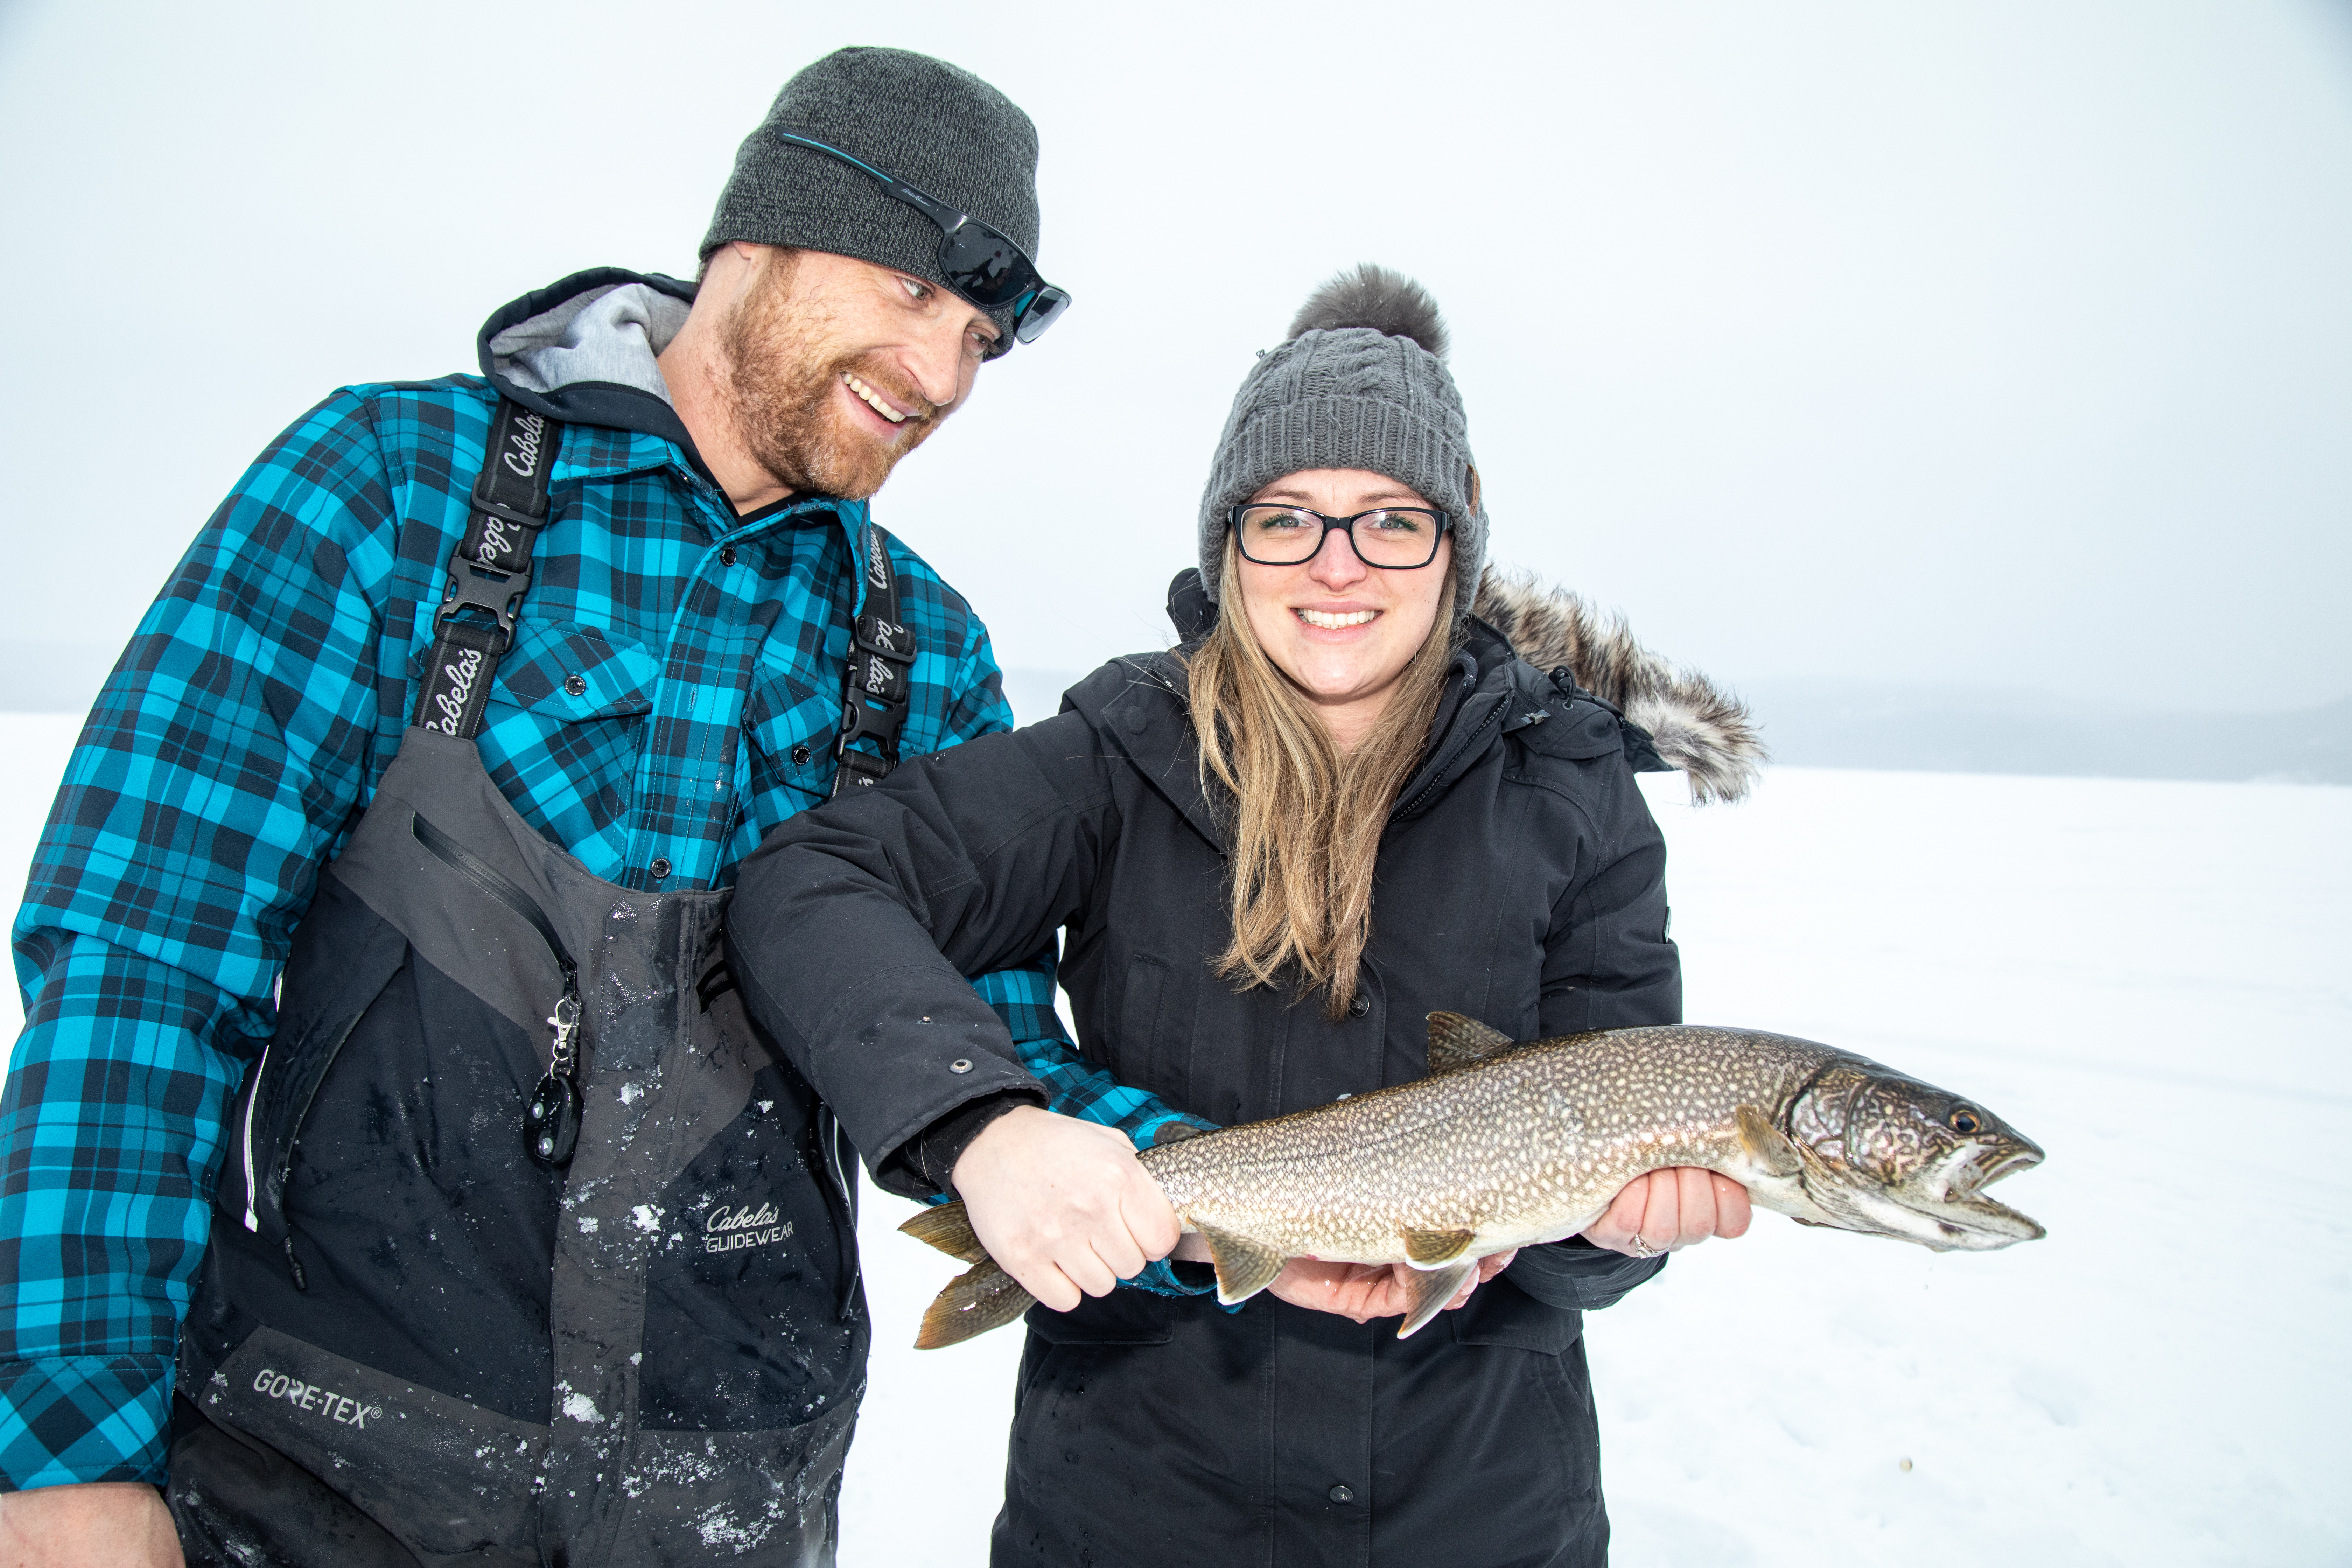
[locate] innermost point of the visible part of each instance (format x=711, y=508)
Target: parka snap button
x=659, y=869
x=727, y=555
x=1359, y=1005
x=800, y=756
x=574, y=686
x=1343, y=1492
x=962, y=1064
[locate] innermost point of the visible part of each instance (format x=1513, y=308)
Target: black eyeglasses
x=977, y=262
x=1395, y=538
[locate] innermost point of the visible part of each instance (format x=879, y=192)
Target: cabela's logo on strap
x=731, y=1227
x=450, y=702
x=521, y=457
x=498, y=543
x=877, y=564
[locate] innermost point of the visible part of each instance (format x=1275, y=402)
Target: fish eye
x=1964, y=1121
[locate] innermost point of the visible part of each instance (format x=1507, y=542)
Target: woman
x=1340, y=805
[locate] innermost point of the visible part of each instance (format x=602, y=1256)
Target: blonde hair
x=1306, y=818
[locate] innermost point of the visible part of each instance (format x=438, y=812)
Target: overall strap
x=880, y=685
x=489, y=571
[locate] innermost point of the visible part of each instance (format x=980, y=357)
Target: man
x=375, y=1026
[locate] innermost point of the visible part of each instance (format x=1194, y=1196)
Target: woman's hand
x=1669, y=1209
x=1367, y=1290
x=1062, y=1205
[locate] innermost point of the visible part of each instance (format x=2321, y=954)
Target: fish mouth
x=1958, y=1206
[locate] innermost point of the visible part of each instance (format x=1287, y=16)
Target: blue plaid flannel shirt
x=673, y=692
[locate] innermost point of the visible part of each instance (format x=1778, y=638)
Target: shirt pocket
x=791, y=726
x=576, y=674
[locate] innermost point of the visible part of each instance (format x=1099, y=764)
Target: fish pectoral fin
x=1765, y=1143
x=1430, y=1290
x=1429, y=1248
x=948, y=1227
x=1244, y=1268
x=1456, y=1042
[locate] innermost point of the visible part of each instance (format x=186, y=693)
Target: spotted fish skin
x=1505, y=1145
x=1530, y=1147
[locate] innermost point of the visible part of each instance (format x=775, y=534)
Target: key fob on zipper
x=550, y=1122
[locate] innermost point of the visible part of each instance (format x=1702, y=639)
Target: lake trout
x=1509, y=1144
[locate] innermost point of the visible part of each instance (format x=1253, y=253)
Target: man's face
x=837, y=368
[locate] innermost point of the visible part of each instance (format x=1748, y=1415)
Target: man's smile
x=874, y=400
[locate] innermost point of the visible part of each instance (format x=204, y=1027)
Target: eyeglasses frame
x=950, y=220
x=1346, y=525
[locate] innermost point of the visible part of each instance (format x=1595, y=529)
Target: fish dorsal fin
x=1434, y=1249
x=1428, y=1291
x=949, y=1228
x=1244, y=1268
x=1765, y=1143
x=1456, y=1042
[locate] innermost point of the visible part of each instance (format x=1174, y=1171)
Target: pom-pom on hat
x=1360, y=383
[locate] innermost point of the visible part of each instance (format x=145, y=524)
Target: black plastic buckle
x=472, y=587
x=863, y=721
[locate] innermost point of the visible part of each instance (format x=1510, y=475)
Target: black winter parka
x=1520, y=882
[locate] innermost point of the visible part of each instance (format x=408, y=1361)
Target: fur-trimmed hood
x=1700, y=729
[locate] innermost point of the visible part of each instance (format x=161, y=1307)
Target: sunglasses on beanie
x=977, y=262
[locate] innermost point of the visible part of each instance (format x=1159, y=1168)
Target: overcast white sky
x=1998, y=343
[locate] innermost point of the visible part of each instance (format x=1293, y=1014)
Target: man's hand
x=1670, y=1209
x=98, y=1524
x=1062, y=1205
x=1367, y=1290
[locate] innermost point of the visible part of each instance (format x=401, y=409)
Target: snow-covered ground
x=2149, y=978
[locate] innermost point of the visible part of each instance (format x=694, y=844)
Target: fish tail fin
x=981, y=1298
x=948, y=1227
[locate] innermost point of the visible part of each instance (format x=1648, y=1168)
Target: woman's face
x=1342, y=631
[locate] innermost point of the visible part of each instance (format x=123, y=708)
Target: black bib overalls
x=413, y=1342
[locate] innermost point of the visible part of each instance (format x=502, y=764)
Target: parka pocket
x=1135, y=1054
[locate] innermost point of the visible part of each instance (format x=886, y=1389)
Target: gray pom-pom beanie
x=934, y=126
x=1359, y=383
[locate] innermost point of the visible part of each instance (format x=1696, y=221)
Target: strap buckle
x=472, y=587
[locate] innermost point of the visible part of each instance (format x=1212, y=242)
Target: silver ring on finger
x=1641, y=1249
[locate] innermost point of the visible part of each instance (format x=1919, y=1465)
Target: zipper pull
x=294, y=1265
x=550, y=1118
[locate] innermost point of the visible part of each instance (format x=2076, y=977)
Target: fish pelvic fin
x=1430, y=1290
x=948, y=1227
x=1244, y=1268
x=981, y=1298
x=1765, y=1143
x=1435, y=1248
x=1456, y=1042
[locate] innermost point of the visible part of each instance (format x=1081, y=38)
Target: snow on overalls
x=525, y=1250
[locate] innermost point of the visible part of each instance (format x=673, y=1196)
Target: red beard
x=783, y=377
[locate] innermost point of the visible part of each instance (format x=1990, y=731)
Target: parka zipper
x=552, y=1116
x=1438, y=779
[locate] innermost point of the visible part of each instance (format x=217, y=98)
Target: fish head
x=1889, y=1155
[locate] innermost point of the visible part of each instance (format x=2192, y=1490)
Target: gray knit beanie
x=1360, y=384
x=936, y=127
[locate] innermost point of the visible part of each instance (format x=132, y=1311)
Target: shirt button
x=1359, y=1005
x=659, y=869
x=574, y=686
x=1343, y=1492
x=727, y=555
x=799, y=755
